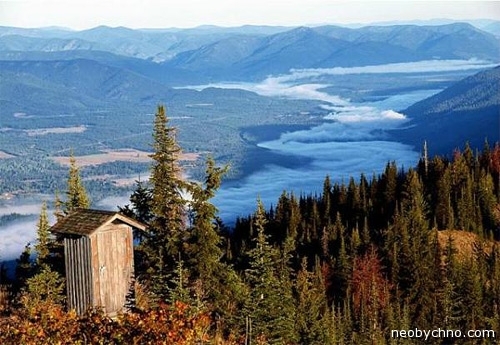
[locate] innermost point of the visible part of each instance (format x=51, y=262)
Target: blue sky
x=80, y=14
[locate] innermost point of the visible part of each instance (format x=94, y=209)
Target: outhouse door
x=115, y=268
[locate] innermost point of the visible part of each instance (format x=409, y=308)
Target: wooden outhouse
x=99, y=258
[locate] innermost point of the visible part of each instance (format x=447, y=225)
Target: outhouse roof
x=87, y=221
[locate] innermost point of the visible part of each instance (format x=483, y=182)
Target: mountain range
x=208, y=54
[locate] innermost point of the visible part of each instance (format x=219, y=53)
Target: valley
x=281, y=123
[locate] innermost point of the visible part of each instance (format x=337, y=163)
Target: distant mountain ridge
x=253, y=52
x=331, y=46
x=469, y=111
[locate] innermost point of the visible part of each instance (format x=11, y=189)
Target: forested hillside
x=468, y=110
x=347, y=266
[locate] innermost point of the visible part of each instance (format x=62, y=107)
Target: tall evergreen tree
x=215, y=280
x=326, y=201
x=42, y=247
x=76, y=196
x=167, y=228
x=267, y=305
x=414, y=211
x=487, y=202
x=388, y=192
x=312, y=306
x=444, y=213
x=342, y=271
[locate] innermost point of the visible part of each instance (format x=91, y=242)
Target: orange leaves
x=49, y=324
x=370, y=289
x=175, y=324
x=44, y=323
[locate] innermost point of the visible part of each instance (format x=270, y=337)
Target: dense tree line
x=346, y=266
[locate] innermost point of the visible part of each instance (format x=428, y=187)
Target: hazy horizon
x=154, y=14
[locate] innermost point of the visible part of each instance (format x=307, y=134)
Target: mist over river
x=348, y=144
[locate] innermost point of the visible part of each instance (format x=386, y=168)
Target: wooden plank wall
x=115, y=262
x=78, y=262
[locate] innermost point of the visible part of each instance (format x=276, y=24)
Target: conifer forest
x=414, y=248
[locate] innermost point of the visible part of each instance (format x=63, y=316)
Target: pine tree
x=312, y=306
x=487, y=202
x=288, y=218
x=42, y=247
x=414, y=211
x=444, y=213
x=45, y=284
x=267, y=305
x=467, y=296
x=466, y=214
x=166, y=232
x=398, y=254
x=179, y=287
x=215, y=280
x=353, y=214
x=58, y=206
x=326, y=201
x=389, y=184
x=204, y=250
x=76, y=196
x=342, y=271
x=139, y=207
x=168, y=204
x=448, y=300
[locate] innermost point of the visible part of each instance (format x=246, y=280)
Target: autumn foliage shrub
x=50, y=324
x=45, y=323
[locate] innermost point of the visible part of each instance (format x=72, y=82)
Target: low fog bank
x=14, y=235
x=339, y=160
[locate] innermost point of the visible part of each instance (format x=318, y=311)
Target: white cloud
x=392, y=115
x=403, y=67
